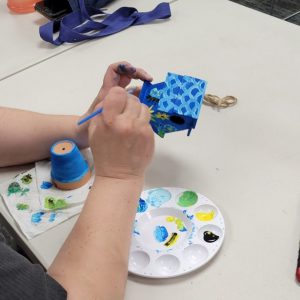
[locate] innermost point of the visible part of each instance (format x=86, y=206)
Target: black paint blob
x=210, y=237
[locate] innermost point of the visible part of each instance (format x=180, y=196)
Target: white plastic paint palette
x=175, y=232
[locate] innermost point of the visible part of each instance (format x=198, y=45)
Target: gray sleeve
x=22, y=280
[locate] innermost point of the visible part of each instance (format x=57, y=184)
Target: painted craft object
x=174, y=104
x=69, y=170
x=175, y=232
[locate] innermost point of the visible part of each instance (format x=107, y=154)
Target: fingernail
x=124, y=69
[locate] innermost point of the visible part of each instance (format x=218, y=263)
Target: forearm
x=99, y=244
x=27, y=136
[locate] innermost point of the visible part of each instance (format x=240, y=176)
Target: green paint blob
x=188, y=198
x=52, y=203
x=24, y=191
x=26, y=179
x=61, y=203
x=14, y=188
x=22, y=206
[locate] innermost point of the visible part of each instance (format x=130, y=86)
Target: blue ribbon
x=79, y=25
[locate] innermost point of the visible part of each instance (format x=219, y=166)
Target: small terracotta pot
x=69, y=169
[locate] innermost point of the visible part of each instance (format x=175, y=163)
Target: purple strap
x=79, y=25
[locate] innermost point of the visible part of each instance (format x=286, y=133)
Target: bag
x=56, y=9
x=92, y=3
x=79, y=25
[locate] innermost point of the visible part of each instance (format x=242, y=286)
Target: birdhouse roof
x=181, y=95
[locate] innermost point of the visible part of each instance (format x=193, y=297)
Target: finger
x=145, y=115
x=134, y=90
x=137, y=91
x=133, y=107
x=112, y=76
x=114, y=104
x=140, y=74
x=120, y=74
x=127, y=69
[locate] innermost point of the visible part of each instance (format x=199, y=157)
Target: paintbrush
x=130, y=90
x=95, y=113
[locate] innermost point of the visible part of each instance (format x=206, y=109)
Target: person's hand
x=121, y=138
x=117, y=74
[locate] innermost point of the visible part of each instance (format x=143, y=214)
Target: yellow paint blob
x=170, y=219
x=205, y=216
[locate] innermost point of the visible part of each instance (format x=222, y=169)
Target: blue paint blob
x=46, y=185
x=52, y=217
x=158, y=197
x=183, y=229
x=160, y=233
x=188, y=216
x=142, y=207
x=37, y=217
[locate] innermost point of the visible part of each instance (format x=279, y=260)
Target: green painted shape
x=24, y=191
x=188, y=198
x=26, y=179
x=180, y=224
x=14, y=188
x=52, y=203
x=161, y=133
x=22, y=206
x=61, y=203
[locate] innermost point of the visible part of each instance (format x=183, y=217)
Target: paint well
x=179, y=223
x=187, y=198
x=205, y=216
x=210, y=237
x=158, y=197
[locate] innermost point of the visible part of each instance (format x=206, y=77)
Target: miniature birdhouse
x=174, y=104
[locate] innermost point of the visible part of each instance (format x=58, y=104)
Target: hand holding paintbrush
x=118, y=74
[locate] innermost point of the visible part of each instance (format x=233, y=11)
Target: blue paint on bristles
x=95, y=113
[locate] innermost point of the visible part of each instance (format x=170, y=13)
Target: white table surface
x=246, y=158
x=21, y=46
